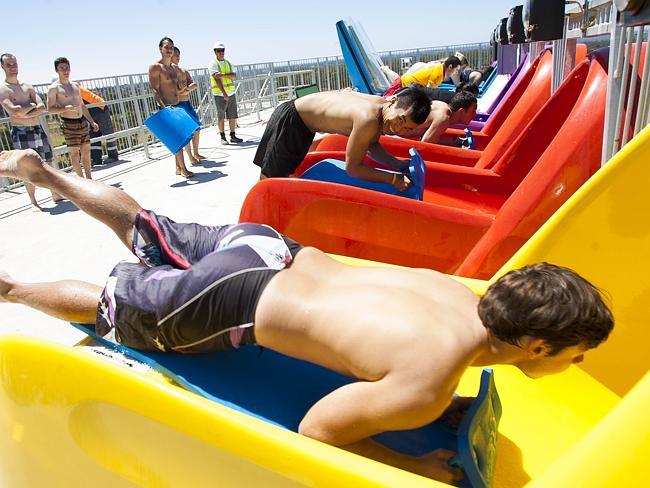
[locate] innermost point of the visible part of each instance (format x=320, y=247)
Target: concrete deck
x=61, y=242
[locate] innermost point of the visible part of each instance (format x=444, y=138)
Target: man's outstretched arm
x=359, y=143
x=348, y=416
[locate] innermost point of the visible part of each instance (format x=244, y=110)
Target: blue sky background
x=121, y=37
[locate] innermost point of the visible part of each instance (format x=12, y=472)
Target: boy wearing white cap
x=223, y=89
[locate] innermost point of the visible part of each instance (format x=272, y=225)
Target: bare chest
x=68, y=95
x=168, y=75
x=16, y=94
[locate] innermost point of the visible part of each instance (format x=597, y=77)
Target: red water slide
x=472, y=219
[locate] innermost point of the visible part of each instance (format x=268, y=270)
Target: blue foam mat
x=280, y=390
x=333, y=171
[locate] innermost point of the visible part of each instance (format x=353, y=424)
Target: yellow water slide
x=71, y=418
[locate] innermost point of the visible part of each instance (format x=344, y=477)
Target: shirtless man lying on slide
x=408, y=339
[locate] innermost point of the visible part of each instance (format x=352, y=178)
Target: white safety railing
x=131, y=102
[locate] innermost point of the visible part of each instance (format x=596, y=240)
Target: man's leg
x=109, y=205
x=188, y=149
x=75, y=159
x=85, y=159
x=195, y=145
x=31, y=193
x=55, y=196
x=95, y=146
x=69, y=300
x=221, y=116
x=231, y=113
x=181, y=169
x=233, y=125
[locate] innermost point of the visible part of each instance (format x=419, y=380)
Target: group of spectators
x=289, y=133
x=64, y=98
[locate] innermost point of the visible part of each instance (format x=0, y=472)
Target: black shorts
x=285, y=142
x=196, y=288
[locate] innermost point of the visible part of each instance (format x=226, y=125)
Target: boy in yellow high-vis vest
x=223, y=89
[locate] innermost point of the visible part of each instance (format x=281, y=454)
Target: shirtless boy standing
x=24, y=107
x=64, y=99
x=164, y=81
x=291, y=129
x=187, y=85
x=407, y=335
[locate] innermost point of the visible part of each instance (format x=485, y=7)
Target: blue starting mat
x=280, y=390
x=173, y=126
x=333, y=171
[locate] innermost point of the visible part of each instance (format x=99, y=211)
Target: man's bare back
x=339, y=111
x=434, y=328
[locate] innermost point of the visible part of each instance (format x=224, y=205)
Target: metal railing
x=131, y=102
x=259, y=86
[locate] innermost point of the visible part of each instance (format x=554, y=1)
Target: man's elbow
x=353, y=170
x=314, y=431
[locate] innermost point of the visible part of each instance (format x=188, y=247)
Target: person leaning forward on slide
x=408, y=337
x=292, y=126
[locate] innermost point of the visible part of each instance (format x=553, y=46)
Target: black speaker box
x=634, y=12
x=516, y=33
x=503, y=31
x=543, y=20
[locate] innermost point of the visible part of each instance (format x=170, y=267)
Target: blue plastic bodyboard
x=333, y=171
x=280, y=390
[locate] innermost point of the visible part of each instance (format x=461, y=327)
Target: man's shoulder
x=54, y=85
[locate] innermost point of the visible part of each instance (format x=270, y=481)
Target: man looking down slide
x=291, y=129
x=408, y=338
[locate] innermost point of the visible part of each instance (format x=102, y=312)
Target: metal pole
x=631, y=94
x=613, y=86
x=624, y=80
x=641, y=115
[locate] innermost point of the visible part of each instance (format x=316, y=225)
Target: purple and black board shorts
x=196, y=287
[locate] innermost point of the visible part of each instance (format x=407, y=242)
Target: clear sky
x=120, y=37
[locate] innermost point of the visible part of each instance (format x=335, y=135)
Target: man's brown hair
x=3, y=56
x=548, y=302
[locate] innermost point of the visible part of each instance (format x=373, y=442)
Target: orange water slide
x=472, y=219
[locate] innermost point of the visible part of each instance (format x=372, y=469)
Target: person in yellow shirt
x=430, y=75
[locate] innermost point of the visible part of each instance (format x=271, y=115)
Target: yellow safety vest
x=228, y=84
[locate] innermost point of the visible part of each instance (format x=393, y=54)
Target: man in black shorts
x=407, y=335
x=291, y=129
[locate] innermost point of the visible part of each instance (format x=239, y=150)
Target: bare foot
x=193, y=161
x=6, y=284
x=23, y=165
x=199, y=157
x=187, y=174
